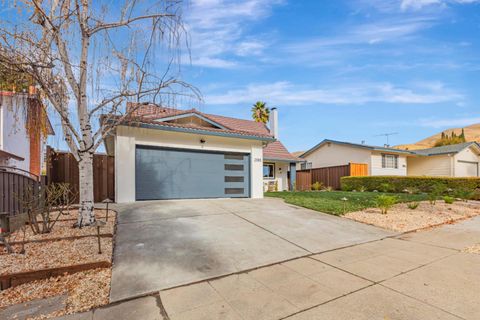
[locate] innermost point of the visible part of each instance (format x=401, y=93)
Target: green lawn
x=330, y=202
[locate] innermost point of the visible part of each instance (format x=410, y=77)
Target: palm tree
x=260, y=112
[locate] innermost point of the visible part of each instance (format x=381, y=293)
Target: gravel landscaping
x=85, y=290
x=63, y=247
x=400, y=218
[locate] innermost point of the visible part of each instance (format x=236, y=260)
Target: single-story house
x=165, y=153
x=381, y=161
x=459, y=160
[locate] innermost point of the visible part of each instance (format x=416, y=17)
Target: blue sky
x=346, y=70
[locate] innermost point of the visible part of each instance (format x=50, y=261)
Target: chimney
x=274, y=122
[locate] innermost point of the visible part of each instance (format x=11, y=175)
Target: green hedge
x=400, y=184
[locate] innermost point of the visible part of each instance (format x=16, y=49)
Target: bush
x=448, y=199
x=413, y=205
x=465, y=194
x=401, y=183
x=385, y=187
x=317, y=186
x=385, y=202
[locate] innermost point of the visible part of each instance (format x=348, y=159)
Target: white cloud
x=420, y=4
x=355, y=41
x=218, y=29
x=286, y=93
x=417, y=4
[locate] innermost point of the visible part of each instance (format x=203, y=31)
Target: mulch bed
x=400, y=218
x=65, y=246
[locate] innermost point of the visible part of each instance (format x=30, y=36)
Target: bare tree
x=89, y=58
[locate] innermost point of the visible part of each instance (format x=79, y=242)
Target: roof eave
x=282, y=160
x=201, y=131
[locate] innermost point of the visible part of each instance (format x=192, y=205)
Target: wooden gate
x=62, y=167
x=329, y=176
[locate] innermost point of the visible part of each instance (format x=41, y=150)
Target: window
x=306, y=166
x=389, y=161
x=234, y=167
x=268, y=171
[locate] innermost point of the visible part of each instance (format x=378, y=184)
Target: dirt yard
x=402, y=219
x=64, y=246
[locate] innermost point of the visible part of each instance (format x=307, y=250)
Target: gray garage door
x=162, y=173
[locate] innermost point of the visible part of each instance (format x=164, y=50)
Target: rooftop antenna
x=387, y=136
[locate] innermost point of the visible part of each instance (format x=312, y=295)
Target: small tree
x=47, y=206
x=89, y=58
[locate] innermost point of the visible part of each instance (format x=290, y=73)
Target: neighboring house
x=380, y=160
x=458, y=160
x=164, y=153
x=21, y=147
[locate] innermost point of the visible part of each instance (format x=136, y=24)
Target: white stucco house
x=459, y=160
x=21, y=148
x=165, y=153
x=381, y=161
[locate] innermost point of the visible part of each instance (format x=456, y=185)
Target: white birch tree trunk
x=85, y=166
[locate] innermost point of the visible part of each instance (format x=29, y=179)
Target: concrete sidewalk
x=414, y=276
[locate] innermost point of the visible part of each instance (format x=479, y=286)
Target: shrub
x=411, y=190
x=465, y=194
x=362, y=189
x=385, y=187
x=317, y=186
x=448, y=199
x=413, y=205
x=417, y=184
x=385, y=202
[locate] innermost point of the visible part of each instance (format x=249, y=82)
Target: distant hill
x=472, y=133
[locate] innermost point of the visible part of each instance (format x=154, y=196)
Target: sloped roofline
x=355, y=145
x=467, y=145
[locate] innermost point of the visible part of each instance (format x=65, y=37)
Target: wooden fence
x=62, y=167
x=14, y=186
x=329, y=176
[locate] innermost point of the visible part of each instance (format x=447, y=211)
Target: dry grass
x=402, y=219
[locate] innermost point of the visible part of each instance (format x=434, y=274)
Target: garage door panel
x=188, y=174
x=467, y=169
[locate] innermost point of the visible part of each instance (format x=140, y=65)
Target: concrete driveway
x=164, y=244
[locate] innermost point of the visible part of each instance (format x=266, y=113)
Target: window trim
x=273, y=170
x=306, y=166
x=384, y=160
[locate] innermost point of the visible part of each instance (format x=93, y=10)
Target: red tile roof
x=151, y=113
x=277, y=151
